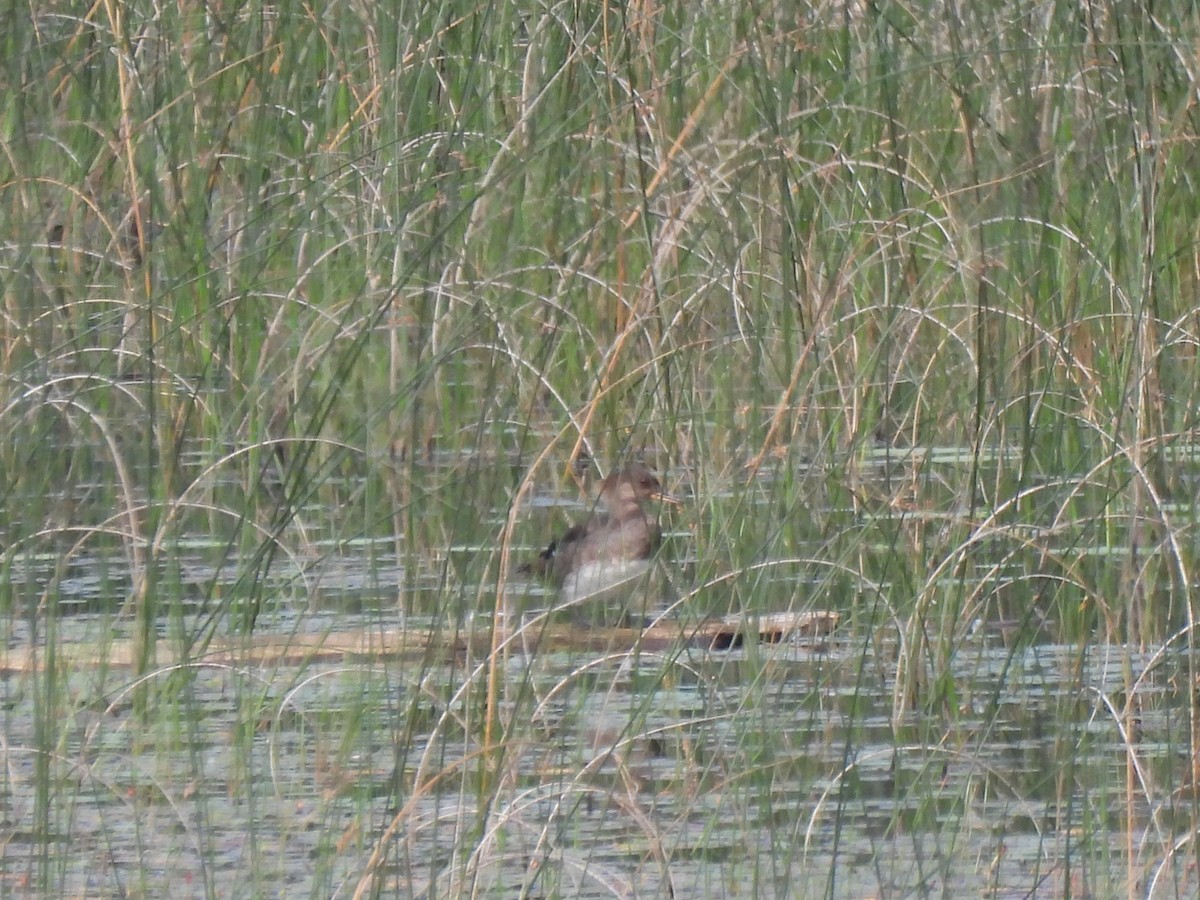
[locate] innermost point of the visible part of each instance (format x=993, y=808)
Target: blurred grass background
x=901, y=296
x=732, y=236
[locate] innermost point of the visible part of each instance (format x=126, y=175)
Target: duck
x=614, y=544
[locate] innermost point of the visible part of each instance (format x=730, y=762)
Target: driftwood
x=416, y=644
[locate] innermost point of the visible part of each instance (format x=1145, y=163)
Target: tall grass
x=901, y=297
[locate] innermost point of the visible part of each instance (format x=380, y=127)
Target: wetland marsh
x=316, y=323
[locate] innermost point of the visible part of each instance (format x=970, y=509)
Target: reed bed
x=309, y=312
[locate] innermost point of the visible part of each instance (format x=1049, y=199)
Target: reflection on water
x=914, y=757
x=765, y=771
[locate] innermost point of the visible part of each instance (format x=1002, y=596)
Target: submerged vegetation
x=308, y=309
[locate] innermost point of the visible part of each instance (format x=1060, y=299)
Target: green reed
x=900, y=299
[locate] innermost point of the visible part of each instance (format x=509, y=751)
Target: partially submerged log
x=416, y=644
x=773, y=628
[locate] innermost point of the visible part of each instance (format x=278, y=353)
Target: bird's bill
x=666, y=498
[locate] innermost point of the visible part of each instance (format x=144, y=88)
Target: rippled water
x=872, y=763
x=766, y=771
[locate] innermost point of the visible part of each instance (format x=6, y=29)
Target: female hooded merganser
x=616, y=542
